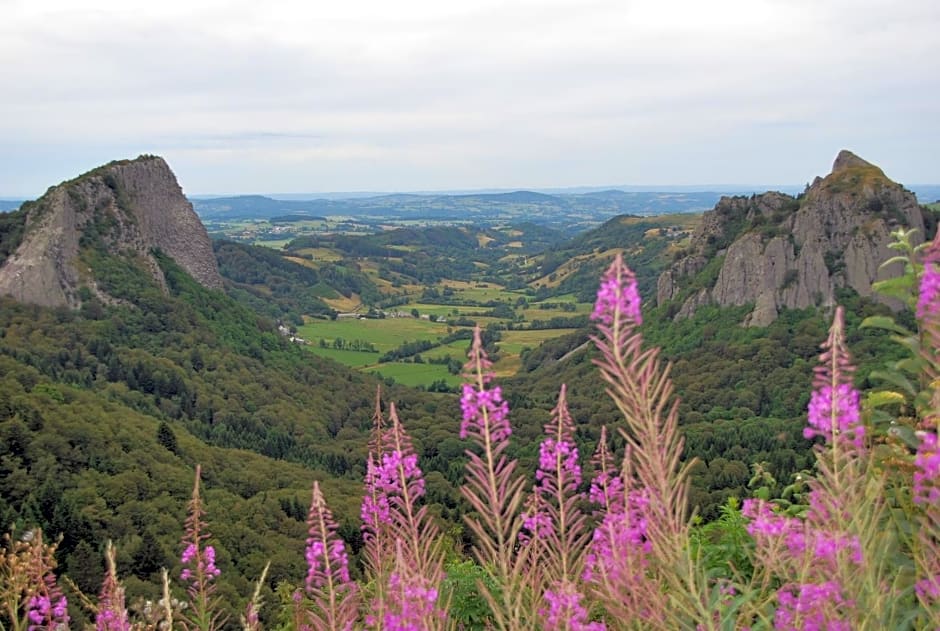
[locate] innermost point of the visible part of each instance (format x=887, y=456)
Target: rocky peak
x=846, y=160
x=775, y=251
x=128, y=208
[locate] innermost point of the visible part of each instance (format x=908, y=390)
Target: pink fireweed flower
x=607, y=490
x=333, y=594
x=112, y=613
x=383, y=483
x=811, y=607
x=563, y=452
x=798, y=535
x=554, y=514
x=411, y=604
x=485, y=415
x=111, y=620
x=199, y=563
x=565, y=611
x=835, y=414
x=619, y=545
x=394, y=465
x=617, y=296
x=375, y=507
x=928, y=302
x=928, y=589
x=474, y=404
x=764, y=522
x=327, y=561
x=47, y=607
x=536, y=522
x=927, y=473
x=47, y=613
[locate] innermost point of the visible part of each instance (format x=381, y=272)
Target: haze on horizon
x=299, y=97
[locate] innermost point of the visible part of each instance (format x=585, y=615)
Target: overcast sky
x=347, y=95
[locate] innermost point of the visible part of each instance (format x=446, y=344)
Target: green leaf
x=885, y=397
x=884, y=322
x=894, y=379
x=901, y=287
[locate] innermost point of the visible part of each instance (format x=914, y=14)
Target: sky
x=288, y=96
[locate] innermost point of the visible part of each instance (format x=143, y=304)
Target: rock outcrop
x=130, y=208
x=778, y=252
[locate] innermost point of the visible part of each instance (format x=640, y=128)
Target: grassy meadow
x=333, y=338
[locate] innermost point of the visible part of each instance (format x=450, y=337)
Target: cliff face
x=777, y=251
x=129, y=208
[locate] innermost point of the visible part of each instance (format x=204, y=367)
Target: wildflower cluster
x=928, y=302
x=565, y=612
x=411, y=604
x=198, y=563
x=483, y=410
x=927, y=470
x=333, y=596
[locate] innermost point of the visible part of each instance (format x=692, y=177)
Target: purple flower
x=411, y=603
x=484, y=408
x=811, y=607
x=375, y=507
x=928, y=303
x=112, y=614
x=928, y=589
x=199, y=563
x=47, y=611
x=927, y=473
x=536, y=524
x=565, y=611
x=553, y=505
x=765, y=525
x=607, y=490
x=834, y=412
x=558, y=455
x=617, y=297
x=328, y=584
x=619, y=547
x=835, y=415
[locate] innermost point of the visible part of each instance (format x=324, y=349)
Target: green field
x=385, y=334
x=354, y=359
x=457, y=350
x=417, y=374
x=390, y=333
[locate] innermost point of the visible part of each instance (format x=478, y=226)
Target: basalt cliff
x=774, y=251
x=128, y=209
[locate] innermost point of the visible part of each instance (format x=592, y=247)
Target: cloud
x=420, y=95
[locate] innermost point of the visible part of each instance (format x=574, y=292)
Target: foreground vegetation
x=856, y=545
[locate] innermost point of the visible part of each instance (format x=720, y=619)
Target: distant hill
x=561, y=211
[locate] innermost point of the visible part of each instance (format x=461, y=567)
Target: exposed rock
x=666, y=287
x=692, y=303
x=132, y=207
x=780, y=252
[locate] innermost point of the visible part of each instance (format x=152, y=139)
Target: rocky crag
x=775, y=251
x=128, y=208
